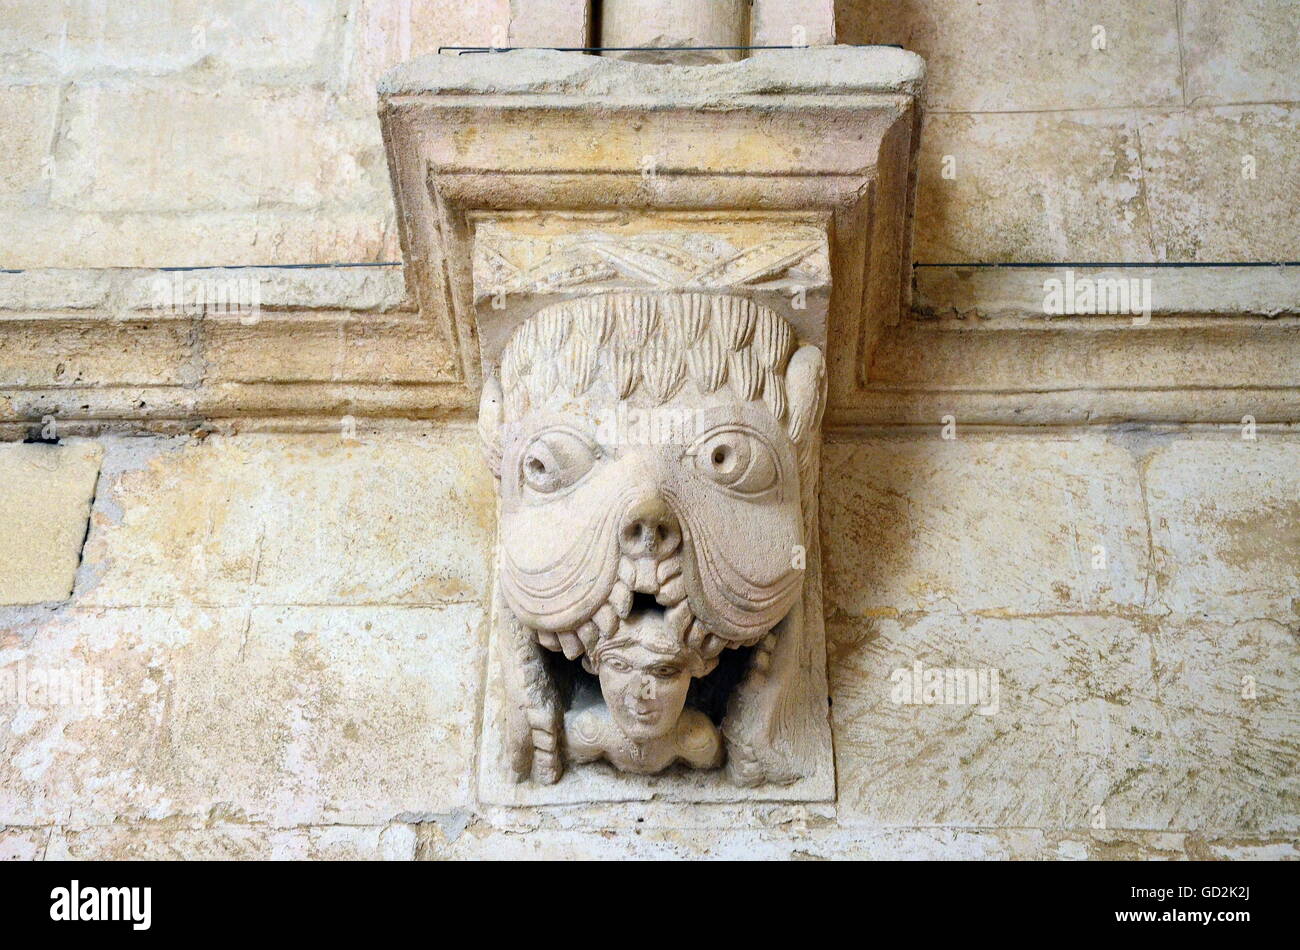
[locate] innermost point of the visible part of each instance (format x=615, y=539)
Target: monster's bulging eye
x=555, y=460
x=736, y=459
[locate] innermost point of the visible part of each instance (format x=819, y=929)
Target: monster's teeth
x=606, y=620
x=678, y=619
x=571, y=644
x=548, y=640
x=645, y=582
x=667, y=569
x=589, y=634
x=620, y=598
x=627, y=572
x=672, y=592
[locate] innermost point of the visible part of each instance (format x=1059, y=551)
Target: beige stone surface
x=1202, y=206
x=293, y=86
x=347, y=729
x=564, y=23
x=995, y=525
x=1010, y=200
x=1022, y=56
x=994, y=292
x=295, y=40
x=1225, y=523
x=54, y=237
x=164, y=841
x=1124, y=720
x=284, y=716
x=313, y=519
x=1244, y=52
x=389, y=32
x=27, y=116
x=1141, y=186
x=23, y=844
x=65, y=353
x=135, y=148
x=792, y=22
x=684, y=25
x=809, y=840
x=45, y=499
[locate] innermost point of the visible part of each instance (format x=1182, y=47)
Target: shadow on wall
x=904, y=23
x=882, y=21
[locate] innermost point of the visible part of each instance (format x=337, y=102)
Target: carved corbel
x=656, y=457
x=655, y=281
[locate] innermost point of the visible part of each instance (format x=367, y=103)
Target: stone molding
x=87, y=347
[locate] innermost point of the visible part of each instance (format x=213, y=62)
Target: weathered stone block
x=1216, y=739
x=1031, y=56
x=996, y=525
x=681, y=32
x=45, y=498
x=1240, y=53
x=563, y=23
x=389, y=32
x=1051, y=745
x=295, y=519
x=1213, y=179
x=233, y=842
x=286, y=716
x=158, y=148
x=291, y=41
x=23, y=844
x=27, y=115
x=53, y=237
x=792, y=22
x=1225, y=523
x=990, y=188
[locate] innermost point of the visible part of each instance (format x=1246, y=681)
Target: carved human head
x=645, y=673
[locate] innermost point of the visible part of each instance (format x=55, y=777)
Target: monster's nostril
x=650, y=529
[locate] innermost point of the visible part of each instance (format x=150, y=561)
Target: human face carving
x=644, y=680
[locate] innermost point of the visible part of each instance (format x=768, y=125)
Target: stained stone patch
x=1225, y=520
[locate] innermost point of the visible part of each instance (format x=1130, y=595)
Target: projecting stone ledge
x=824, y=134
x=826, y=69
x=45, y=497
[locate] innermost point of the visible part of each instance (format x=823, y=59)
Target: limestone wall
x=257, y=566
x=287, y=635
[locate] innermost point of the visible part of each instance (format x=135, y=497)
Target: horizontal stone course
x=1141, y=186
x=982, y=523
x=1031, y=56
x=263, y=697
x=1130, y=722
x=347, y=518
x=277, y=716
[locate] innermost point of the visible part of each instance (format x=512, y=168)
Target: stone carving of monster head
x=650, y=450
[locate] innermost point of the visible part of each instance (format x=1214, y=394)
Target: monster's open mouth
x=646, y=587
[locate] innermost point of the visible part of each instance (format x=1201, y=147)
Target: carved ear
x=805, y=384
x=491, y=413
